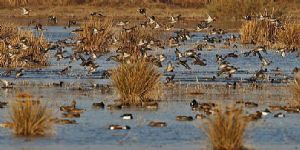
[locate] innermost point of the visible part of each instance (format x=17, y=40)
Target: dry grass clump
x=264, y=32
x=96, y=35
x=30, y=119
x=258, y=32
x=295, y=88
x=290, y=36
x=226, y=129
x=20, y=48
x=135, y=81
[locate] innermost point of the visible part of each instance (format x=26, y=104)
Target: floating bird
x=25, y=11
x=142, y=11
x=52, y=19
x=65, y=70
x=20, y=73
x=6, y=84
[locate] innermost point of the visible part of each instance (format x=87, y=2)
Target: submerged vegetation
x=135, y=81
x=226, y=129
x=21, y=48
x=30, y=118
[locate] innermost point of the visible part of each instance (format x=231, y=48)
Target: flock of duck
x=179, y=38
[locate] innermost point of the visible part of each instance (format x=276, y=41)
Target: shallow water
x=92, y=132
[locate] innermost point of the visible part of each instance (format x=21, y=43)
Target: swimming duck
x=126, y=116
x=114, y=106
x=71, y=115
x=275, y=107
x=68, y=108
x=151, y=105
x=118, y=127
x=65, y=70
x=3, y=104
x=279, y=115
x=251, y=104
x=157, y=124
x=20, y=73
x=98, y=105
x=257, y=115
x=6, y=84
x=200, y=116
x=266, y=112
x=64, y=121
x=184, y=118
x=194, y=104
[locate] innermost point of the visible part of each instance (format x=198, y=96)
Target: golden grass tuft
x=135, y=82
x=226, y=129
x=295, y=88
x=30, y=119
x=11, y=52
x=258, y=32
x=290, y=36
x=95, y=42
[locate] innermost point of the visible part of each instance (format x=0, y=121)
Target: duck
x=275, y=107
x=6, y=84
x=184, y=118
x=142, y=11
x=71, y=115
x=118, y=127
x=65, y=70
x=194, y=104
x=20, y=73
x=266, y=112
x=170, y=80
x=157, y=124
x=182, y=61
x=257, y=115
x=25, y=11
x=68, y=108
x=3, y=104
x=98, y=105
x=175, y=19
x=170, y=67
x=251, y=104
x=60, y=84
x=200, y=116
x=210, y=19
x=279, y=115
x=126, y=116
x=64, y=121
x=114, y=106
x=151, y=105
